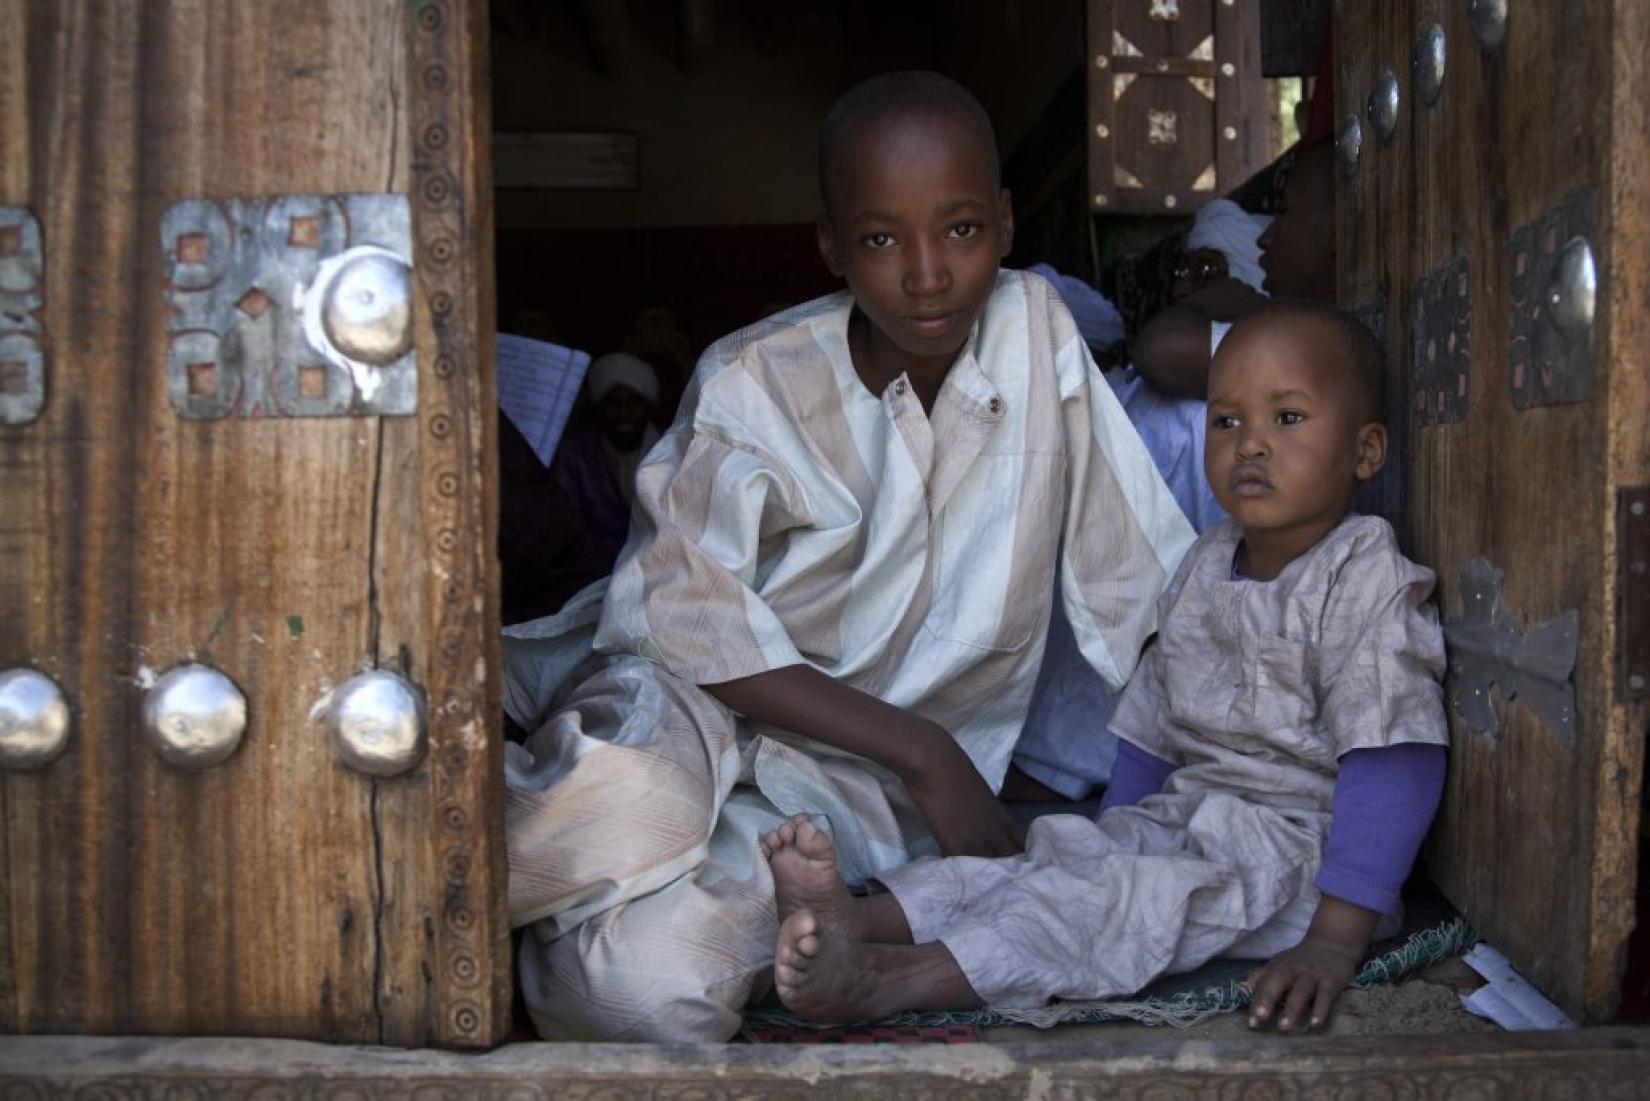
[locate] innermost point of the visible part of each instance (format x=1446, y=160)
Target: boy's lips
x=1249, y=481
x=931, y=324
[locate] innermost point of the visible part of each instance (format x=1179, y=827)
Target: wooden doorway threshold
x=1587, y=1063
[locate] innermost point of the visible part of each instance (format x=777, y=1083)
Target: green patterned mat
x=1183, y=1000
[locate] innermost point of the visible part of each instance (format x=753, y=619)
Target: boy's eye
x=962, y=231
x=877, y=240
x=1291, y=416
x=1223, y=420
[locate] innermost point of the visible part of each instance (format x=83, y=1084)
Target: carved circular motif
x=455, y=817
x=444, y=366
x=431, y=17
x=441, y=251
x=441, y=303
x=456, y=865
x=435, y=136
x=446, y=540
x=435, y=79
x=441, y=426
x=446, y=483
x=460, y=921
x=455, y=759
x=464, y=970
x=437, y=190
x=452, y=590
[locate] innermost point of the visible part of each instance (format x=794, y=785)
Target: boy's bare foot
x=823, y=975
x=805, y=877
x=826, y=976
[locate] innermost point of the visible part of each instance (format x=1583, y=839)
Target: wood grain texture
x=1536, y=840
x=279, y=893
x=1588, y=1063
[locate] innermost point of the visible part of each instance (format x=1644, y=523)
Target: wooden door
x=1528, y=452
x=168, y=501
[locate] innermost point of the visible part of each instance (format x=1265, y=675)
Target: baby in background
x=1282, y=748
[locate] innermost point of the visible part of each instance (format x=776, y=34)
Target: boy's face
x=1286, y=445
x=917, y=227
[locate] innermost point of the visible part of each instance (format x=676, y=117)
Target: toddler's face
x=1286, y=446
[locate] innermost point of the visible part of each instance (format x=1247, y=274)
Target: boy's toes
x=813, y=842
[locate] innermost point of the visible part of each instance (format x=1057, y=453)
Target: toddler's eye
x=877, y=240
x=962, y=231
x=1223, y=420
x=1291, y=416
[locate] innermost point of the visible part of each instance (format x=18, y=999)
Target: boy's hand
x=961, y=811
x=1312, y=974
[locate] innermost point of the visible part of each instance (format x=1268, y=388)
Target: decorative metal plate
x=290, y=306
x=1554, y=288
x=1442, y=354
x=1487, y=649
x=22, y=359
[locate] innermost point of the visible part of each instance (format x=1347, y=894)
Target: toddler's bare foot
x=805, y=877
x=825, y=976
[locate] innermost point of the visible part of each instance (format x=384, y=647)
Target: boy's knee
x=658, y=979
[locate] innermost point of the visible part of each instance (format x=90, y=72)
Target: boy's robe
x=791, y=516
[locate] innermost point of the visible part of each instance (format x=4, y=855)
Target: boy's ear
x=1371, y=450
x=1005, y=215
x=827, y=244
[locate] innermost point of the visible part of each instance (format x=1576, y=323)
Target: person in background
x=1065, y=751
x=595, y=465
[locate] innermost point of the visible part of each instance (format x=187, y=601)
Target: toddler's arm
x=1384, y=801
x=959, y=807
x=1135, y=775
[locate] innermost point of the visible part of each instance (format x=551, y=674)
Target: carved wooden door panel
x=247, y=604
x=1176, y=102
x=1494, y=218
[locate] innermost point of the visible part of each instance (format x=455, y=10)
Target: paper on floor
x=1507, y=998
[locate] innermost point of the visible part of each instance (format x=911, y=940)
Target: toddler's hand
x=1311, y=974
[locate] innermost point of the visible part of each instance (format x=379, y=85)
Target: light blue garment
x=1065, y=744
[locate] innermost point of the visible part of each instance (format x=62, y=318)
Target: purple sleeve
x=1135, y=775
x=1384, y=802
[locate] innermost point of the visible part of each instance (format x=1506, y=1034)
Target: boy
x=835, y=592
x=1282, y=756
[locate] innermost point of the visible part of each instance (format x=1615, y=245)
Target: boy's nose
x=926, y=272
x=1251, y=445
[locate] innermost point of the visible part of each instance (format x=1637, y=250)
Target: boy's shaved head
x=1355, y=351
x=894, y=96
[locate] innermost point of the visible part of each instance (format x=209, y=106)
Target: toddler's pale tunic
x=791, y=516
x=1253, y=690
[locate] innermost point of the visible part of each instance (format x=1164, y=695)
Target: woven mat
x=1432, y=931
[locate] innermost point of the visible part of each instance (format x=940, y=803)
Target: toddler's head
x=1295, y=410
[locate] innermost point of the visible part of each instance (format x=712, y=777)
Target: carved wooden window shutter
x=1176, y=102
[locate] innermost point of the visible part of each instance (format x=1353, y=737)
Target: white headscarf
x=622, y=369
x=1225, y=226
